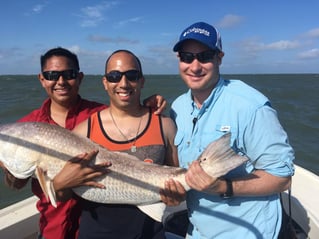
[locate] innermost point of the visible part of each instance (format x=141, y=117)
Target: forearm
x=62, y=194
x=259, y=183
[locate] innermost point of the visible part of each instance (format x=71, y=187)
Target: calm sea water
x=295, y=97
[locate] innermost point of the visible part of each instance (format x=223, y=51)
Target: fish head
x=14, y=147
x=11, y=159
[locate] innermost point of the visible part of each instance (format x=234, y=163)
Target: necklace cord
x=133, y=148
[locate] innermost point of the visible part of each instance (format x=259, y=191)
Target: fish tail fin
x=223, y=157
x=46, y=185
x=155, y=211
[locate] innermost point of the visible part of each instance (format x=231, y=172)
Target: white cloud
x=98, y=38
x=229, y=21
x=10, y=53
x=76, y=49
x=125, y=22
x=90, y=22
x=37, y=8
x=103, y=39
x=313, y=33
x=282, y=45
x=311, y=54
x=93, y=15
x=253, y=45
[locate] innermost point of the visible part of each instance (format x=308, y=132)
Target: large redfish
x=29, y=149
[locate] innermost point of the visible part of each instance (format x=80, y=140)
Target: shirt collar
x=212, y=98
x=70, y=120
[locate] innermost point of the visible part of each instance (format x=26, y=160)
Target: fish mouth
x=200, y=160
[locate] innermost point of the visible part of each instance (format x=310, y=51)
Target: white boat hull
x=20, y=220
x=304, y=201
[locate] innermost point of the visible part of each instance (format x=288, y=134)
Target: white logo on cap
x=197, y=30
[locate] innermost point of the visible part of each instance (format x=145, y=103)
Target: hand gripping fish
x=31, y=148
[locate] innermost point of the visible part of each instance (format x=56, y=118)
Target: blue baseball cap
x=203, y=33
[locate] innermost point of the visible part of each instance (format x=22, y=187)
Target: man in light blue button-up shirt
x=249, y=206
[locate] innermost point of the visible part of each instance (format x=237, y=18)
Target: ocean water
x=294, y=96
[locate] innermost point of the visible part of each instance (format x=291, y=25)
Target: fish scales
x=26, y=146
x=130, y=180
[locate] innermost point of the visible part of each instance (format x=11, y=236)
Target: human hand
x=198, y=179
x=156, y=102
x=173, y=193
x=78, y=172
x=13, y=182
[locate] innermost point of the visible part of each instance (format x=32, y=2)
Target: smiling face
x=124, y=93
x=63, y=92
x=200, y=77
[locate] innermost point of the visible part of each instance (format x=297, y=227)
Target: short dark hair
x=129, y=52
x=59, y=51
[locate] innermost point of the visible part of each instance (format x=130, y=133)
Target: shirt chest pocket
x=207, y=133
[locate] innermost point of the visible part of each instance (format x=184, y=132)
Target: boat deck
x=20, y=220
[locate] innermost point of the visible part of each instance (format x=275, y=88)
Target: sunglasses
x=116, y=76
x=202, y=57
x=55, y=75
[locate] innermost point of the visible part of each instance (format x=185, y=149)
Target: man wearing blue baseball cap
x=245, y=202
x=202, y=32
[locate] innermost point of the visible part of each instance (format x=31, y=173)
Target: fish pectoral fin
x=155, y=211
x=46, y=185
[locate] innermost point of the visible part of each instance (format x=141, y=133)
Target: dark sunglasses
x=202, y=57
x=55, y=75
x=116, y=76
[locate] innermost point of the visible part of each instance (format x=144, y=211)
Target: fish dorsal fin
x=46, y=185
x=155, y=211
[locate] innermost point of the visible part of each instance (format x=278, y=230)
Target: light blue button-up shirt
x=234, y=107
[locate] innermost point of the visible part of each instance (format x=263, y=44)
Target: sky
x=259, y=37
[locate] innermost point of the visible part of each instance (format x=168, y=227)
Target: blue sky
x=258, y=36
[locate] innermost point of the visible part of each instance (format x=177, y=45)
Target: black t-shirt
x=117, y=221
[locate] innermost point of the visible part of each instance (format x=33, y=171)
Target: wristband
x=229, y=190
